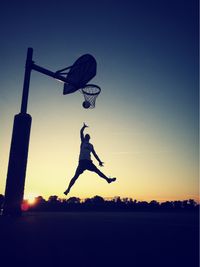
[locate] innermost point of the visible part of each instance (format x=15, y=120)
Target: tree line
x=98, y=203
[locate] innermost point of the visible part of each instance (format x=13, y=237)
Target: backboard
x=81, y=72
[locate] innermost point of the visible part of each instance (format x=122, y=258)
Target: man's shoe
x=66, y=192
x=111, y=180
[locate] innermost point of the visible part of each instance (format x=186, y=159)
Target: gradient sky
x=145, y=124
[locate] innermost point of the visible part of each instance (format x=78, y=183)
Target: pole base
x=17, y=165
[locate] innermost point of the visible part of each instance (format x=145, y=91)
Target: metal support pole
x=16, y=175
x=17, y=165
x=27, y=77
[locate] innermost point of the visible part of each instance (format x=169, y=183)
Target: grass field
x=100, y=239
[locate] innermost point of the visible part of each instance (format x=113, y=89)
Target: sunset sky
x=145, y=124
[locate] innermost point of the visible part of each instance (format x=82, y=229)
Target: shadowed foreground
x=100, y=239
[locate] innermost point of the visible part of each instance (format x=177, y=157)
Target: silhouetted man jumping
x=85, y=162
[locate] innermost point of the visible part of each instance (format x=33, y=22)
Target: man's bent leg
x=73, y=180
x=101, y=174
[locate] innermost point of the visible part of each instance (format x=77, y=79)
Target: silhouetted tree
x=154, y=205
x=143, y=205
x=192, y=203
x=125, y=200
x=167, y=205
x=54, y=204
x=88, y=201
x=53, y=199
x=178, y=204
x=73, y=200
x=97, y=203
x=97, y=200
x=117, y=200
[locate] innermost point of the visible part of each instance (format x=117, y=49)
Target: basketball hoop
x=90, y=93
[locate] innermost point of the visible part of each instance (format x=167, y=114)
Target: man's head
x=87, y=137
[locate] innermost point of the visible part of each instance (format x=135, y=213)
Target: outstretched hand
x=84, y=125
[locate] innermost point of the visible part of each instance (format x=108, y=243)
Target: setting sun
x=31, y=198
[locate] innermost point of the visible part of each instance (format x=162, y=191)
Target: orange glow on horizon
x=30, y=198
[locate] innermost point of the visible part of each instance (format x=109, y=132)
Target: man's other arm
x=96, y=156
x=81, y=132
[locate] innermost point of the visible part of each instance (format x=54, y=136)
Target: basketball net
x=90, y=93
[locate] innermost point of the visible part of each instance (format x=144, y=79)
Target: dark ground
x=100, y=239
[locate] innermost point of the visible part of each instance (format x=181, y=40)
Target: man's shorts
x=86, y=165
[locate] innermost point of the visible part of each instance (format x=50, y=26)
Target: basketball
x=86, y=104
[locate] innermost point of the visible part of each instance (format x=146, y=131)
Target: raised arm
x=96, y=156
x=81, y=132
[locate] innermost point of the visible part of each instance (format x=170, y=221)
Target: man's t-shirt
x=86, y=149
